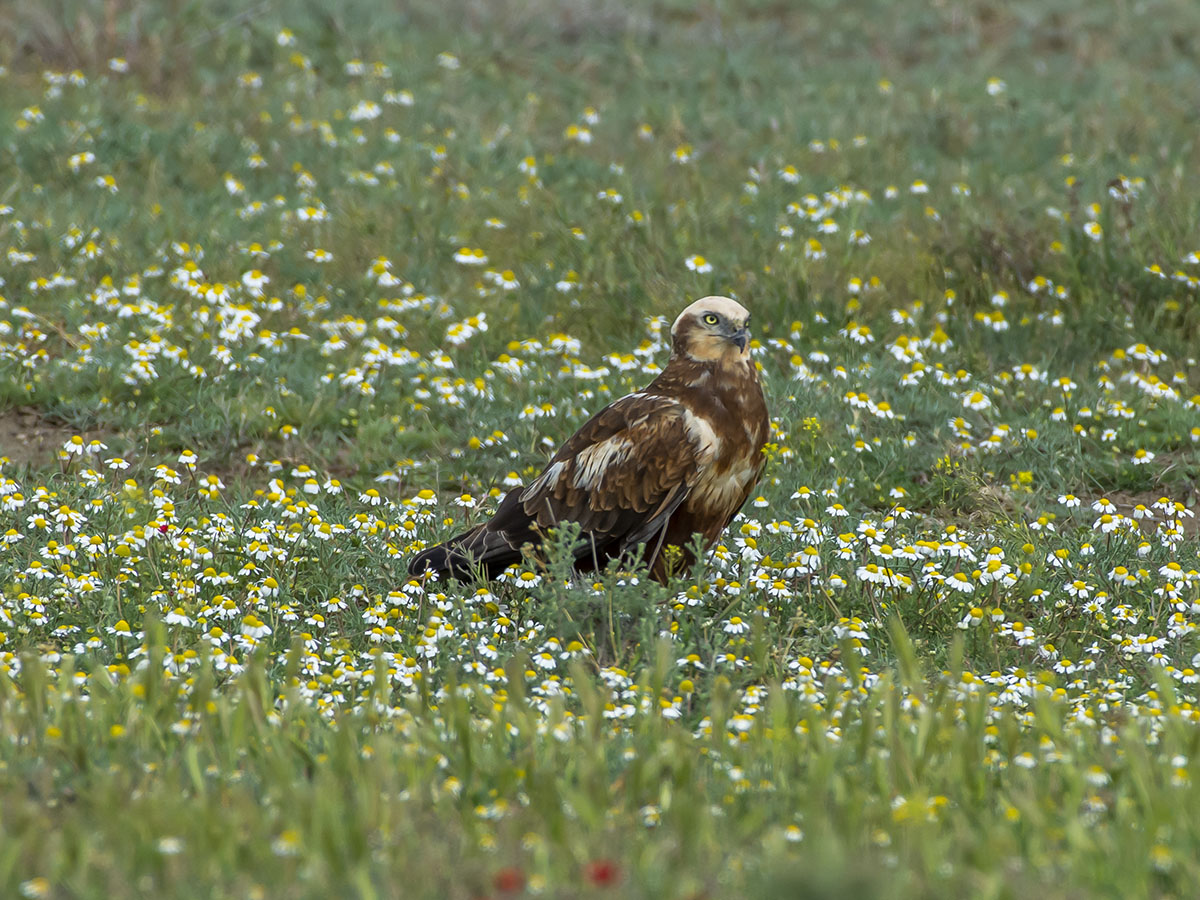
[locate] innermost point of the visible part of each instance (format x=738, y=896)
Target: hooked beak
x=741, y=337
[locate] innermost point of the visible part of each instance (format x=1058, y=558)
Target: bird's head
x=713, y=329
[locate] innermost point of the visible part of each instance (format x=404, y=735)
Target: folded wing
x=620, y=477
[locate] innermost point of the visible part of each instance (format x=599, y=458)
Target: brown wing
x=619, y=477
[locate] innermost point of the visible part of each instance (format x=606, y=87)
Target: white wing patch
x=703, y=435
x=546, y=481
x=592, y=462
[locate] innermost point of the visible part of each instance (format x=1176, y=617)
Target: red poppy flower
x=602, y=872
x=508, y=880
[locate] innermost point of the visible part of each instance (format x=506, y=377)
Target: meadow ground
x=289, y=294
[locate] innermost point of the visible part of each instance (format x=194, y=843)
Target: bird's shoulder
x=640, y=416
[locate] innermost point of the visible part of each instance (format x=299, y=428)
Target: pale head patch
x=722, y=306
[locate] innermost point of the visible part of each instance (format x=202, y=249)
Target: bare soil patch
x=28, y=437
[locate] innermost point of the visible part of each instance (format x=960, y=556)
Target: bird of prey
x=652, y=470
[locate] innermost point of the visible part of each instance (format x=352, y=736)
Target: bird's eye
x=711, y=319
